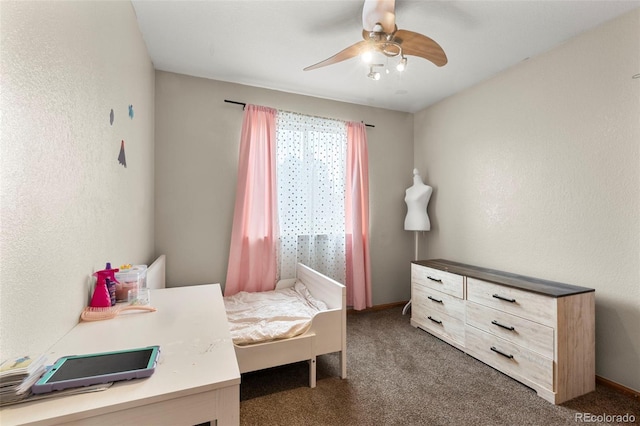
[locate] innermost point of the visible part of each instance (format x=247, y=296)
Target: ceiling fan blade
x=379, y=12
x=348, y=53
x=419, y=45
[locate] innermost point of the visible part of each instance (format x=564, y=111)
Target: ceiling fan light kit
x=367, y=59
x=380, y=42
x=385, y=38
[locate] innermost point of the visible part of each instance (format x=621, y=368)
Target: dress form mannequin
x=417, y=197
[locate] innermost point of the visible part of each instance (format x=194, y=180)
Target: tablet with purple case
x=105, y=367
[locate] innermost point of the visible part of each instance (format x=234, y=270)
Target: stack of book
x=17, y=375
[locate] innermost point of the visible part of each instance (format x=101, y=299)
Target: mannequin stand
x=415, y=257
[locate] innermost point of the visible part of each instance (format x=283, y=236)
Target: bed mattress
x=271, y=315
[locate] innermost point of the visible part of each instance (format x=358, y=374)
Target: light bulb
x=402, y=65
x=374, y=75
x=367, y=57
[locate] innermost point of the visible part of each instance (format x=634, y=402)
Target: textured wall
x=537, y=172
x=197, y=142
x=67, y=205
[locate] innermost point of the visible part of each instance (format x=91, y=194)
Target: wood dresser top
x=536, y=285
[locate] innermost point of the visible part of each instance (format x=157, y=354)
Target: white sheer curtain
x=311, y=163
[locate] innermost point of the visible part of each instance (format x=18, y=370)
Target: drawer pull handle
x=434, y=279
x=433, y=299
x=501, y=353
x=506, y=299
x=434, y=320
x=507, y=327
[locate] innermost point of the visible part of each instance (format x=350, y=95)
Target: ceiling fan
x=381, y=34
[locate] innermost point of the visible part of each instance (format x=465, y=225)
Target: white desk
x=196, y=380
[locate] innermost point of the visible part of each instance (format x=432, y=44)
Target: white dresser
x=539, y=332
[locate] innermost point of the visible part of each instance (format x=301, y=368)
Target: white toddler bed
x=326, y=334
x=156, y=273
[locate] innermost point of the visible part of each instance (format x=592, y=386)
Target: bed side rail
x=322, y=287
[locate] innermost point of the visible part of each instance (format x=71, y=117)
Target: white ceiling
x=268, y=43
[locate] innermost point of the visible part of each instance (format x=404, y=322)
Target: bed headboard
x=322, y=287
x=156, y=273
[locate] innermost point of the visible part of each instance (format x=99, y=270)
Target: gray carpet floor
x=401, y=375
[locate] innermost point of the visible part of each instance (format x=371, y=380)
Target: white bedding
x=271, y=315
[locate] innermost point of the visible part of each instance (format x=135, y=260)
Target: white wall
x=197, y=143
x=67, y=205
x=537, y=172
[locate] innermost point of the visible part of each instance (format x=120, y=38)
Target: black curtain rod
x=244, y=105
x=237, y=103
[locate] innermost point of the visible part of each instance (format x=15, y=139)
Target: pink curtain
x=252, y=256
x=357, y=218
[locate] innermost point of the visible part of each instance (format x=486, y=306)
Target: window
x=311, y=168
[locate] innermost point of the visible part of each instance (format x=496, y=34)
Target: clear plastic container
x=132, y=285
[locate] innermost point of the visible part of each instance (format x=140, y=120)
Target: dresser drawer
x=509, y=358
x=423, y=297
x=526, y=333
x=445, y=282
x=532, y=306
x=440, y=324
